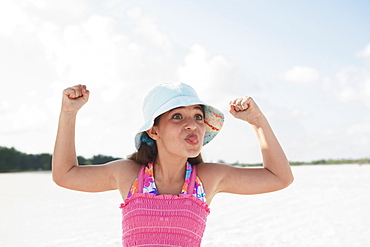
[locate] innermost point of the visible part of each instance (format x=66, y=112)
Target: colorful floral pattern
x=150, y=187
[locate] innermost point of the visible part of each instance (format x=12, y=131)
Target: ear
x=152, y=133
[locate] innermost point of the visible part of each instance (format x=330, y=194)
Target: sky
x=305, y=63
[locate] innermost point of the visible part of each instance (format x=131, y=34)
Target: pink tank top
x=163, y=220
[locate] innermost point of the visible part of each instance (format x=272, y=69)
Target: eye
x=198, y=117
x=177, y=116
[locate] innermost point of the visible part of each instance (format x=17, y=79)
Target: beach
x=325, y=206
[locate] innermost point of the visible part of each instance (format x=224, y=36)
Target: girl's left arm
x=275, y=174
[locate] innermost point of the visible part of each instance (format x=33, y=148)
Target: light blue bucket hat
x=169, y=96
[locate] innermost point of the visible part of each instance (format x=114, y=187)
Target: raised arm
x=275, y=174
x=65, y=169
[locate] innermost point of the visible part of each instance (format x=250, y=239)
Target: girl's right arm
x=65, y=169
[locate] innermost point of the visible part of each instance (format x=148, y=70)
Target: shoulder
x=211, y=169
x=120, y=170
x=128, y=167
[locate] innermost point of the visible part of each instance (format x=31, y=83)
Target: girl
x=165, y=185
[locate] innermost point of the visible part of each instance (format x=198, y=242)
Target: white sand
x=325, y=206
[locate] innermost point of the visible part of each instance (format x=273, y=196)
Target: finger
x=232, y=110
x=239, y=104
x=70, y=93
x=78, y=90
x=83, y=89
x=245, y=103
x=75, y=92
x=233, y=105
x=232, y=102
x=85, y=93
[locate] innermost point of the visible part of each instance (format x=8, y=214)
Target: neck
x=170, y=168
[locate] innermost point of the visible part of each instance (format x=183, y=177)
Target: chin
x=193, y=154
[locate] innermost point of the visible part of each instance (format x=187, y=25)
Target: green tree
x=101, y=159
x=9, y=159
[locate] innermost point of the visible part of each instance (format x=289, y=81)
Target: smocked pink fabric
x=164, y=220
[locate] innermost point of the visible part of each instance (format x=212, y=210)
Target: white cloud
x=63, y=10
x=11, y=17
x=205, y=71
x=111, y=3
x=359, y=129
x=113, y=91
x=4, y=105
x=360, y=134
x=300, y=113
x=82, y=53
x=365, y=52
x=353, y=84
x=301, y=74
x=197, y=67
x=347, y=94
x=21, y=118
x=146, y=25
x=52, y=45
x=118, y=67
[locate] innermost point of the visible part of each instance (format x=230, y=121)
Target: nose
x=190, y=124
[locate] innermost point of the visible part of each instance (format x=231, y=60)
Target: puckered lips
x=192, y=139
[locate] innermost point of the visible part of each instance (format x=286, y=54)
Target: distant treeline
x=11, y=160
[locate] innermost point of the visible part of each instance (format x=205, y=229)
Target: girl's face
x=180, y=131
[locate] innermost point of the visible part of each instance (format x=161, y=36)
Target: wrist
x=68, y=114
x=259, y=122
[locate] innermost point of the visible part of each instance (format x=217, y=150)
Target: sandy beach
x=325, y=206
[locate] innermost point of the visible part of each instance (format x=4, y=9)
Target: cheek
x=202, y=130
x=202, y=127
x=168, y=131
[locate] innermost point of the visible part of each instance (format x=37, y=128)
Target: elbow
x=61, y=182
x=287, y=177
x=56, y=176
x=289, y=181
x=283, y=179
x=286, y=181
x=57, y=179
x=60, y=178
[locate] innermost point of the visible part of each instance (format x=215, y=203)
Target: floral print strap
x=150, y=187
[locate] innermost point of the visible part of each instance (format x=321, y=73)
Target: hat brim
x=213, y=118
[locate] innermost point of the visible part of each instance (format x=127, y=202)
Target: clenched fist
x=74, y=98
x=246, y=109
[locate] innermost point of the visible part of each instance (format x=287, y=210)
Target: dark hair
x=147, y=154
